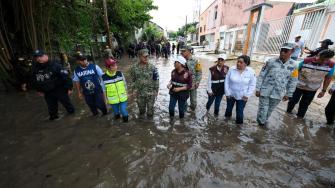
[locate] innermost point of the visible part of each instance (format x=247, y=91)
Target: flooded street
x=199, y=151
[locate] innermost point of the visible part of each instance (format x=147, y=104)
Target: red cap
x=110, y=62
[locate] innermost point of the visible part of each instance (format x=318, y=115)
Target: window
x=216, y=13
x=204, y=28
x=200, y=29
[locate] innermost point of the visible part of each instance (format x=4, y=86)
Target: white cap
x=223, y=56
x=180, y=59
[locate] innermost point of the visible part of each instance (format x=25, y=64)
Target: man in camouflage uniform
x=144, y=83
x=194, y=67
x=276, y=81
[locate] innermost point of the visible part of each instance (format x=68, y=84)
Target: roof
x=258, y=6
x=315, y=6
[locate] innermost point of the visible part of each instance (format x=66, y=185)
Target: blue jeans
x=210, y=101
x=240, y=104
x=120, y=107
x=181, y=106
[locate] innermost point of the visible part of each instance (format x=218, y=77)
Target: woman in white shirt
x=240, y=84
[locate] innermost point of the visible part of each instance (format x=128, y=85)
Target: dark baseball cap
x=327, y=41
x=38, y=53
x=80, y=56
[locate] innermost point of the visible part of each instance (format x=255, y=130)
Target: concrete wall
x=231, y=14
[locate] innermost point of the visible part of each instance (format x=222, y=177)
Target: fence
x=273, y=33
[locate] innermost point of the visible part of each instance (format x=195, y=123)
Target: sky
x=171, y=14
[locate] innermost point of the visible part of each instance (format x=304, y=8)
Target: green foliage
x=151, y=32
x=191, y=28
x=172, y=34
x=72, y=24
x=127, y=15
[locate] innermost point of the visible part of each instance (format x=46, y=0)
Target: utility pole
x=109, y=36
x=186, y=29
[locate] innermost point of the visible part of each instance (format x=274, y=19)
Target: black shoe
x=216, y=113
x=51, y=118
x=117, y=116
x=125, y=119
x=289, y=112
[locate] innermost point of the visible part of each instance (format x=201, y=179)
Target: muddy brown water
x=199, y=151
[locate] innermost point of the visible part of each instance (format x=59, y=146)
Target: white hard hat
x=181, y=60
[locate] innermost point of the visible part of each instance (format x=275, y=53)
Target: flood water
x=199, y=151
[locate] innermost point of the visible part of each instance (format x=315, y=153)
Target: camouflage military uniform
x=276, y=80
x=145, y=81
x=194, y=67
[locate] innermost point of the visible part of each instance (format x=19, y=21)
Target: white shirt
x=239, y=84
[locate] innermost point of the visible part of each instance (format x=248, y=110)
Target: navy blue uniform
x=89, y=80
x=54, y=82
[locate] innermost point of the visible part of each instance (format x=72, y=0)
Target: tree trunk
x=109, y=37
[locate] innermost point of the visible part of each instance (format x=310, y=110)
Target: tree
x=27, y=25
x=191, y=28
x=128, y=15
x=151, y=32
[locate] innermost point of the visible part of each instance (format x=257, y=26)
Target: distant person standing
x=330, y=108
x=194, y=66
x=298, y=48
x=53, y=82
x=324, y=46
x=87, y=79
x=313, y=72
x=173, y=48
x=144, y=83
x=108, y=53
x=178, y=47
x=276, y=81
x=215, y=86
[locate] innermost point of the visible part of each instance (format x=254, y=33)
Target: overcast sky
x=171, y=14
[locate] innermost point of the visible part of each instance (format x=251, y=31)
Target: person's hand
x=69, y=92
x=321, y=94
x=176, y=89
x=40, y=94
x=285, y=98
x=210, y=93
x=80, y=96
x=245, y=98
x=330, y=91
x=169, y=86
x=258, y=94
